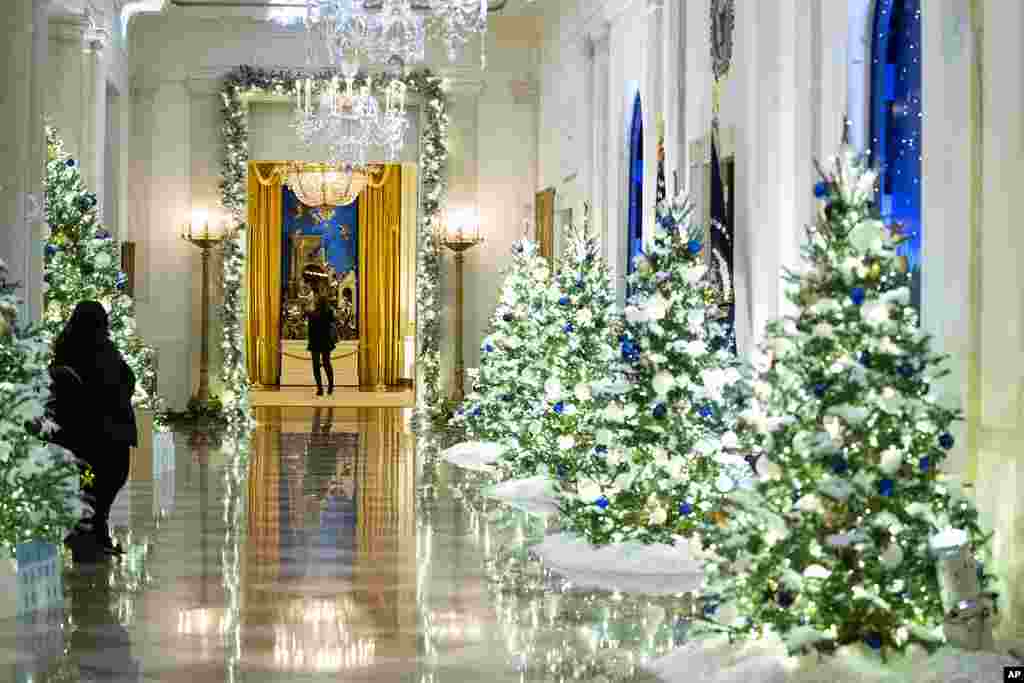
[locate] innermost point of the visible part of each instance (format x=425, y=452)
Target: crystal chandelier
x=348, y=121
x=395, y=29
x=459, y=21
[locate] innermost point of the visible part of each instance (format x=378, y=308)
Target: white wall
x=180, y=59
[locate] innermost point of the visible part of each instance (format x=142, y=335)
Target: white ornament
x=663, y=382
x=566, y=441
x=891, y=557
x=553, y=389
x=582, y=392
x=891, y=461
x=659, y=516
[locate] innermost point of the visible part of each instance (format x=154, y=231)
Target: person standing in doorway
x=323, y=338
x=98, y=422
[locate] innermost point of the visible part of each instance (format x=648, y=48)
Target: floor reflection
x=334, y=545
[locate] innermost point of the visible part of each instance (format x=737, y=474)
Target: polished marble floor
x=336, y=547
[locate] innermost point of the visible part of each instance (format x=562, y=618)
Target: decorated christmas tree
x=832, y=546
x=82, y=262
x=40, y=495
x=575, y=356
x=502, y=404
x=657, y=461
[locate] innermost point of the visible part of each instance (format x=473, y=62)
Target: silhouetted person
x=322, y=340
x=93, y=387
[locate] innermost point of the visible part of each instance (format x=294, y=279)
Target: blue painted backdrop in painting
x=636, y=185
x=337, y=227
x=896, y=122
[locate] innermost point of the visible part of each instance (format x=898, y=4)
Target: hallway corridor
x=343, y=549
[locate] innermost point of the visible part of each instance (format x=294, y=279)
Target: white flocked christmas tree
x=82, y=262
x=659, y=461
x=40, y=496
x=500, y=407
x=832, y=548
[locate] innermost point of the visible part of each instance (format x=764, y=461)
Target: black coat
x=99, y=410
x=320, y=326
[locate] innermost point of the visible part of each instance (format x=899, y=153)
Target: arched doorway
x=634, y=236
x=896, y=123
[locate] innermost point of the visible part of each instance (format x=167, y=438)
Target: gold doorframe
x=385, y=285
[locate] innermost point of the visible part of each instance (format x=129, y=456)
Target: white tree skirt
x=535, y=495
x=717, y=661
x=624, y=567
x=473, y=455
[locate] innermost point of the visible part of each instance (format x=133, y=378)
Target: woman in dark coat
x=322, y=340
x=97, y=422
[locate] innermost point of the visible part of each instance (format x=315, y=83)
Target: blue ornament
x=885, y=487
x=559, y=407
x=857, y=295
x=874, y=641
x=660, y=411
x=51, y=250
x=709, y=610
x=488, y=348
x=924, y=464
x=602, y=502
x=601, y=450
x=103, y=235
x=694, y=246
x=476, y=412
x=561, y=472
x=579, y=285
x=568, y=328
x=839, y=465
x=865, y=359
x=685, y=509
x=785, y=599
x=667, y=222
x=820, y=389
x=946, y=440
x=564, y=301
x=122, y=280
x=706, y=411
x=70, y=163
x=506, y=398
x=508, y=317
x=906, y=370
x=630, y=353
x=821, y=189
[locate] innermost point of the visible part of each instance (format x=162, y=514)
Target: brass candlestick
x=205, y=241
x=459, y=243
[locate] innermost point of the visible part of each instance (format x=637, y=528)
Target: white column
x=94, y=119
x=14, y=148
x=600, y=147
x=653, y=105
x=69, y=84
x=35, y=170
x=1000, y=303
x=674, y=92
x=170, y=261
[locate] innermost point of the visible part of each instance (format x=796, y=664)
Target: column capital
x=69, y=29
x=95, y=38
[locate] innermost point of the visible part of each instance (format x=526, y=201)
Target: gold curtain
x=263, y=340
x=381, y=347
x=544, y=210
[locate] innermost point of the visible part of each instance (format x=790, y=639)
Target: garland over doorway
x=248, y=81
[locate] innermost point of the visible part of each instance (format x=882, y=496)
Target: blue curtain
x=896, y=143
x=338, y=228
x=634, y=235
